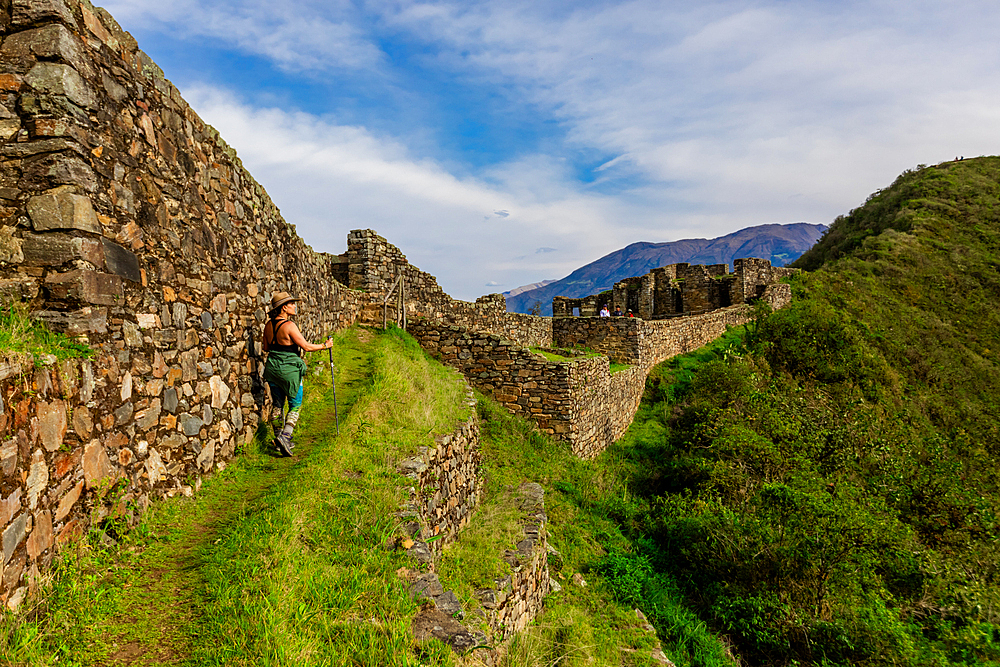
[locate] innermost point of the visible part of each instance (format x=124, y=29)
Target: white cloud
x=706, y=117
x=328, y=179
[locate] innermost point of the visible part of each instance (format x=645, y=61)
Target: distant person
x=604, y=311
x=285, y=368
x=630, y=313
x=618, y=311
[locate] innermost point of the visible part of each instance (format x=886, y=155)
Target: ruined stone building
x=679, y=289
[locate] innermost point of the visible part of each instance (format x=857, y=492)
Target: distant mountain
x=525, y=288
x=782, y=244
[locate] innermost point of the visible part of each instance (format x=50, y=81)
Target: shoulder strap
x=275, y=326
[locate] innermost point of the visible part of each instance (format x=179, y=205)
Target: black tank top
x=274, y=346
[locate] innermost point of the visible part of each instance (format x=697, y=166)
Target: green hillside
x=823, y=487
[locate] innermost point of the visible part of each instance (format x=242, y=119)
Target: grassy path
x=143, y=602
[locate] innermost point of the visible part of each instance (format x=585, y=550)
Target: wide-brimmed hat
x=279, y=299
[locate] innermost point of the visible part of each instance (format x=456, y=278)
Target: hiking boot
x=284, y=444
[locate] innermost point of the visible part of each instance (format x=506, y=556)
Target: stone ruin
x=127, y=222
x=679, y=289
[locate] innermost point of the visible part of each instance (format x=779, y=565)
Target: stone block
x=13, y=535
x=10, y=506
x=82, y=321
x=41, y=535
x=86, y=286
x=62, y=209
x=58, y=79
x=96, y=464
x=57, y=249
x=18, y=289
x=189, y=424
x=31, y=12
x=121, y=261
x=49, y=170
x=47, y=43
x=52, y=424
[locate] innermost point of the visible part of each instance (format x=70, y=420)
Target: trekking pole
x=333, y=383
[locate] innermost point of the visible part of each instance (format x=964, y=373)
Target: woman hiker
x=285, y=369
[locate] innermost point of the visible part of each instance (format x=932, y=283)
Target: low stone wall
x=446, y=486
x=524, y=382
x=517, y=598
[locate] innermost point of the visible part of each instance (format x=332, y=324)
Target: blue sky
x=503, y=143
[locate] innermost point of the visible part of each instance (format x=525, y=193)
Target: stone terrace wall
x=126, y=220
x=447, y=485
x=524, y=382
x=603, y=403
x=580, y=401
x=375, y=264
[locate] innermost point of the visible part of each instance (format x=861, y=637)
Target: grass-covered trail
x=146, y=600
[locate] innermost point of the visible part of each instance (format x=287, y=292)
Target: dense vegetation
x=822, y=488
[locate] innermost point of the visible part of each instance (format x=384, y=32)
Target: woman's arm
x=296, y=336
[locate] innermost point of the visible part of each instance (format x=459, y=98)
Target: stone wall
x=580, y=401
x=446, y=486
x=517, y=598
x=127, y=221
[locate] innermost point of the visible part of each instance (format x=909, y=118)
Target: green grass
x=23, y=338
x=584, y=501
x=823, y=489
x=277, y=561
x=577, y=354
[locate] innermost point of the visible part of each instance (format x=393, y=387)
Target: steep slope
x=825, y=491
x=778, y=243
